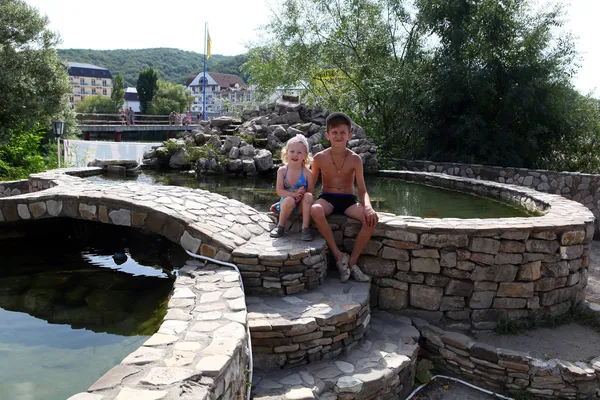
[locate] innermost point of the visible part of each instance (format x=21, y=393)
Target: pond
x=75, y=303
x=387, y=195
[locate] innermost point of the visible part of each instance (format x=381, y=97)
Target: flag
x=208, y=43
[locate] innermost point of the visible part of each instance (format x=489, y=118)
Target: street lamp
x=58, y=127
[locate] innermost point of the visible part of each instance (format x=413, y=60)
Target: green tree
x=20, y=155
x=96, y=104
x=33, y=80
x=362, y=57
x=147, y=85
x=500, y=90
x=118, y=93
x=170, y=97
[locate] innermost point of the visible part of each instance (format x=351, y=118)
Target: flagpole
x=204, y=81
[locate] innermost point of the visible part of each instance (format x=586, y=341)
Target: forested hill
x=173, y=65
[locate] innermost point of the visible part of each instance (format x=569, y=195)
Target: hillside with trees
x=173, y=65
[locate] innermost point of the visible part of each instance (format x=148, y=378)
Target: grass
x=576, y=314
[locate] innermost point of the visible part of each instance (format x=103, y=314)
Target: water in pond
x=75, y=299
x=387, y=194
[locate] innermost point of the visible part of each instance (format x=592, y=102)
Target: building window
x=71, y=99
x=248, y=97
x=104, y=82
x=93, y=82
x=81, y=81
x=82, y=91
x=104, y=92
x=93, y=90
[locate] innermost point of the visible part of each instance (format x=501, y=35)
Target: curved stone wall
x=13, y=188
x=507, y=370
x=471, y=273
x=582, y=188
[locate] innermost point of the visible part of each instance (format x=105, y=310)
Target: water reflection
x=387, y=195
x=68, y=310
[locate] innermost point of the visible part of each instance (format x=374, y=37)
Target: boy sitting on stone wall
x=339, y=167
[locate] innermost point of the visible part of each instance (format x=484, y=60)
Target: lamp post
x=58, y=127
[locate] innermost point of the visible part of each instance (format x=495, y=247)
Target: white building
x=131, y=99
x=225, y=93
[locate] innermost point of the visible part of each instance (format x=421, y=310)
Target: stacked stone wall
x=582, y=188
x=14, y=188
x=504, y=370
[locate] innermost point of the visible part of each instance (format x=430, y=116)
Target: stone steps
x=381, y=366
x=282, y=266
x=308, y=327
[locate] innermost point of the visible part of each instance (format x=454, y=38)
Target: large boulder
x=234, y=153
x=223, y=121
x=280, y=132
x=214, y=141
x=248, y=166
x=235, y=165
x=179, y=160
x=293, y=132
x=231, y=142
x=263, y=160
x=247, y=151
x=201, y=138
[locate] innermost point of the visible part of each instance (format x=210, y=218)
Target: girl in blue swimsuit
x=296, y=198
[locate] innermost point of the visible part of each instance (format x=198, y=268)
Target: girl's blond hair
x=297, y=139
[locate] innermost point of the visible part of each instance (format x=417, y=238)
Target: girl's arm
x=279, y=186
x=309, y=180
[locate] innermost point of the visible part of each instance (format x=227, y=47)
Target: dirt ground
x=441, y=389
x=593, y=287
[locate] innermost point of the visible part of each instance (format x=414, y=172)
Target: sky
x=134, y=24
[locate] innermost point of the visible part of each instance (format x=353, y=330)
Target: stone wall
x=200, y=351
x=13, y=188
x=471, y=273
x=506, y=370
x=582, y=188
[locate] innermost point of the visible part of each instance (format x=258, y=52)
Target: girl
x=295, y=185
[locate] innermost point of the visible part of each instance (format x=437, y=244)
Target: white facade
x=220, y=99
x=131, y=99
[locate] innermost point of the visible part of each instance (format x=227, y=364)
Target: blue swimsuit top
x=301, y=181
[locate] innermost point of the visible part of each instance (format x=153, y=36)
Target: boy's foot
x=343, y=267
x=306, y=235
x=358, y=275
x=277, y=232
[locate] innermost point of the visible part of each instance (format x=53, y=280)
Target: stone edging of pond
x=505, y=370
x=199, y=352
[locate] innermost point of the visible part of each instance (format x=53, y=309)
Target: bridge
x=90, y=123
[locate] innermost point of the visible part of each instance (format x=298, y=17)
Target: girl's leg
x=287, y=206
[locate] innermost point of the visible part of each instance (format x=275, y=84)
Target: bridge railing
x=115, y=119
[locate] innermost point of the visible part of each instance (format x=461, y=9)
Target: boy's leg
x=364, y=235
x=319, y=212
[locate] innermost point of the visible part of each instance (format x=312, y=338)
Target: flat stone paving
x=379, y=367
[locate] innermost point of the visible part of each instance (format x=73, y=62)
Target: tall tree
x=118, y=93
x=33, y=80
x=147, y=85
x=500, y=82
x=96, y=104
x=170, y=97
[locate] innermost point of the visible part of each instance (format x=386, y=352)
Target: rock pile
x=247, y=146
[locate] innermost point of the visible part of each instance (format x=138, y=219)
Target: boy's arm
x=370, y=215
x=316, y=170
x=311, y=182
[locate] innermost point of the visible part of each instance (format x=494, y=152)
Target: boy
x=339, y=167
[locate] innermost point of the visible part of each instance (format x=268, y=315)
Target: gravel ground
x=441, y=389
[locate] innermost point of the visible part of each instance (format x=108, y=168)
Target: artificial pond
x=74, y=303
x=388, y=194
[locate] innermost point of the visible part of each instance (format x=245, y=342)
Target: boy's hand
x=370, y=217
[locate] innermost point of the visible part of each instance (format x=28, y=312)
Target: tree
x=362, y=57
x=118, y=93
x=96, y=104
x=147, y=85
x=33, y=80
x=500, y=89
x=170, y=97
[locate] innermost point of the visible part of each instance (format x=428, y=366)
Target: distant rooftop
x=83, y=69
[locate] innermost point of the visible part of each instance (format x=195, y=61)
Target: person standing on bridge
x=123, y=116
x=131, y=116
